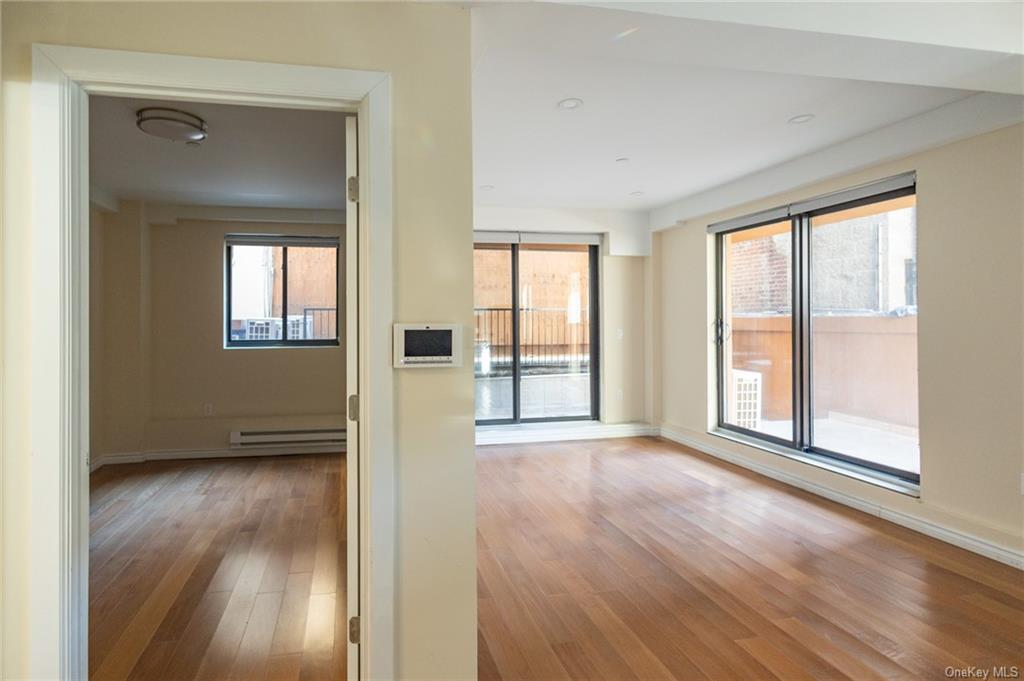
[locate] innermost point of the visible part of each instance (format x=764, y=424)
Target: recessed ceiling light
x=486, y=187
x=637, y=193
x=622, y=159
x=802, y=118
x=625, y=34
x=171, y=124
x=570, y=103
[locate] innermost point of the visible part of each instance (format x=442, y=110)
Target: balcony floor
x=871, y=441
x=543, y=396
x=561, y=395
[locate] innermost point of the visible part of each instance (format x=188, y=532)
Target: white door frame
x=62, y=77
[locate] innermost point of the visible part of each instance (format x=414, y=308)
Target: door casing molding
x=62, y=79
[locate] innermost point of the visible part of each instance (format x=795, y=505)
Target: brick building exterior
x=864, y=265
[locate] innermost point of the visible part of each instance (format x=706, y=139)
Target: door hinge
x=353, y=188
x=353, y=407
x=353, y=630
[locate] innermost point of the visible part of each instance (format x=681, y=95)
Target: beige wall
x=970, y=230
x=119, y=376
x=426, y=49
x=623, y=338
x=158, y=353
x=247, y=388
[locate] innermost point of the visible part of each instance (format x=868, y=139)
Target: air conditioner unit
x=328, y=437
x=746, y=403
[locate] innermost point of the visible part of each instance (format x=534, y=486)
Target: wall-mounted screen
x=428, y=342
x=427, y=345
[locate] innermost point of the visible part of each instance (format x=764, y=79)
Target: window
x=535, y=306
x=281, y=291
x=817, y=327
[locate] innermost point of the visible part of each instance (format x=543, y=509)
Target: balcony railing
x=314, y=323
x=320, y=322
x=551, y=339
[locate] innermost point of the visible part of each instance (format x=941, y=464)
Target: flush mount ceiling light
x=171, y=124
x=622, y=159
x=625, y=34
x=637, y=193
x=802, y=118
x=570, y=103
x=486, y=187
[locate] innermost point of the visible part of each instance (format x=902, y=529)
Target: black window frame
x=594, y=263
x=802, y=440
x=283, y=242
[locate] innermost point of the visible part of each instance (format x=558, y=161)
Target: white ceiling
x=685, y=122
x=254, y=157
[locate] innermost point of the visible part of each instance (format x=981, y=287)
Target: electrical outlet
x=622, y=334
x=207, y=409
x=620, y=395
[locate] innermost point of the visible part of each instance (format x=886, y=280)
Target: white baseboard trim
x=559, y=431
x=983, y=547
x=226, y=453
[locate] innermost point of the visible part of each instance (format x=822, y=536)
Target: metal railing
x=550, y=339
x=315, y=323
x=320, y=322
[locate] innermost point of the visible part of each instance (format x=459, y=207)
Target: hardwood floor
x=641, y=559
x=218, y=569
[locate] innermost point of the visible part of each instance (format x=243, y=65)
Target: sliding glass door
x=863, y=334
x=494, y=347
x=535, y=306
x=757, y=310
x=817, y=327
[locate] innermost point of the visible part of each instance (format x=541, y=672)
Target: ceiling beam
x=961, y=119
x=986, y=26
x=657, y=38
x=626, y=232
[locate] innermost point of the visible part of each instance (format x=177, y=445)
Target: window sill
x=889, y=482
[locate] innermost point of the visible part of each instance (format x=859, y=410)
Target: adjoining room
x=218, y=491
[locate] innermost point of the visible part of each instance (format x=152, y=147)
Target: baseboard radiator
x=255, y=439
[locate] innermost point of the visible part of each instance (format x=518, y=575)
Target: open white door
x=352, y=388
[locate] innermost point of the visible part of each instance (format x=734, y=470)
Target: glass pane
x=864, y=333
x=757, y=306
x=312, y=293
x=255, y=305
x=554, y=331
x=492, y=347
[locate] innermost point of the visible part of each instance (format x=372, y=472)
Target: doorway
x=536, y=346
x=217, y=407
x=63, y=77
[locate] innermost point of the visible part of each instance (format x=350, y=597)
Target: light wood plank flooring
x=218, y=569
x=641, y=559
